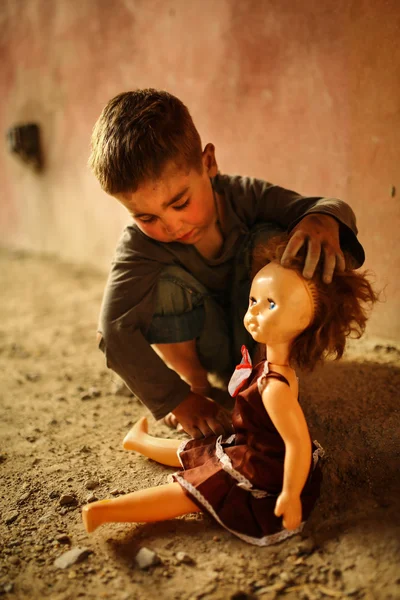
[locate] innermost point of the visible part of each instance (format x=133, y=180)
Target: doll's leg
x=144, y=506
x=162, y=450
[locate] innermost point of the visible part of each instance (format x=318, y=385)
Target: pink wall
x=302, y=94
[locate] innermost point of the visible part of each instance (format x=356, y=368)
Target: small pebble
x=92, y=484
x=63, y=539
x=182, y=557
x=71, y=557
x=307, y=546
x=68, y=499
x=24, y=497
x=146, y=558
x=11, y=517
x=91, y=498
x=60, y=399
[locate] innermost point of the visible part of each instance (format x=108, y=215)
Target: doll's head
x=318, y=316
x=281, y=305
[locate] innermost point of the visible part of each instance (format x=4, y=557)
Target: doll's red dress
x=237, y=479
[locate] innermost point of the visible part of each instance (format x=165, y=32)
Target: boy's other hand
x=321, y=234
x=201, y=417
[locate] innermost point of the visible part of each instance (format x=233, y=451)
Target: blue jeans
x=186, y=310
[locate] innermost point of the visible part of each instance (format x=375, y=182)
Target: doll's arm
x=288, y=418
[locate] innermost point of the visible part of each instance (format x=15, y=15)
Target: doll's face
x=280, y=306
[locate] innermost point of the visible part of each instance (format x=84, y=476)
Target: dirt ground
x=61, y=429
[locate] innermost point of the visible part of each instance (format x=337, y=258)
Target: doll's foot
x=136, y=435
x=92, y=515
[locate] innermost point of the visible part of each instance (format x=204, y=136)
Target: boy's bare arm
x=200, y=417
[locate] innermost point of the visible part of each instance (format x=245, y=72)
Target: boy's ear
x=209, y=160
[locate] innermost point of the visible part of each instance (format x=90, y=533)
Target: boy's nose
x=172, y=227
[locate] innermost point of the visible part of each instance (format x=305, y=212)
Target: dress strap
x=267, y=374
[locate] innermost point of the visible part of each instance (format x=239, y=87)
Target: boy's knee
x=178, y=292
x=99, y=340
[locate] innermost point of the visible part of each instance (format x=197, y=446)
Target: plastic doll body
x=280, y=308
x=145, y=506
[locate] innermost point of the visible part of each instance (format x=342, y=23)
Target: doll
x=262, y=481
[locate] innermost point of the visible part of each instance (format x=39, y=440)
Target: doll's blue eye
x=271, y=304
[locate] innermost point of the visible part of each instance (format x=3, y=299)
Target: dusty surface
x=61, y=427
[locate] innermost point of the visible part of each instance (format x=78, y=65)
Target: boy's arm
x=325, y=225
x=126, y=308
x=158, y=387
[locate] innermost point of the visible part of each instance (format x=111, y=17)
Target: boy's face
x=178, y=207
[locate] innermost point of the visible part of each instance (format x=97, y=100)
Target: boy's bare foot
x=136, y=434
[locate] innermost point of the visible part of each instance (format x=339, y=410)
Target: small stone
x=63, y=539
x=24, y=497
x=216, y=538
x=54, y=494
x=91, y=498
x=92, y=484
x=3, y=458
x=182, y=557
x=46, y=517
x=14, y=560
x=286, y=577
x=307, y=546
x=91, y=393
x=146, y=558
x=94, y=392
x=11, y=517
x=60, y=399
x=85, y=449
x=71, y=557
x=68, y=499
x=115, y=492
x=8, y=587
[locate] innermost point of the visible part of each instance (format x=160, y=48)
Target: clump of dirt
x=61, y=427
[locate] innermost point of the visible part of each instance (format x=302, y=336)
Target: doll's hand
x=201, y=417
x=321, y=234
x=290, y=508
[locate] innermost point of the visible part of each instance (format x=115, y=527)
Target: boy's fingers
x=329, y=265
x=293, y=246
x=312, y=258
x=340, y=262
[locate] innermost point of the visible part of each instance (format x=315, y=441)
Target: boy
x=180, y=280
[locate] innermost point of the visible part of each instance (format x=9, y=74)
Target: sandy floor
x=61, y=427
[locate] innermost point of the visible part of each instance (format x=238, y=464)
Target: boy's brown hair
x=341, y=307
x=137, y=134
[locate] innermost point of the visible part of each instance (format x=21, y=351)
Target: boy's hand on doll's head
x=201, y=417
x=289, y=508
x=321, y=235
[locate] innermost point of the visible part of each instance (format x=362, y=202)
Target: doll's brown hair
x=137, y=134
x=341, y=308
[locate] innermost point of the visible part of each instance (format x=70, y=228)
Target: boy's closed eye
x=182, y=205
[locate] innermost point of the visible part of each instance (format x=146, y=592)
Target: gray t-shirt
x=129, y=296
